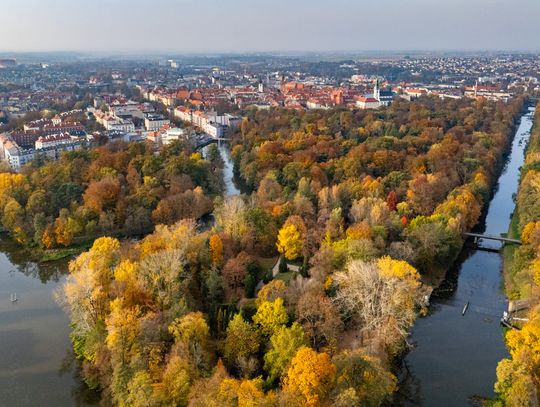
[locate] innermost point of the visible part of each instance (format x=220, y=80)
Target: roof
x=367, y=99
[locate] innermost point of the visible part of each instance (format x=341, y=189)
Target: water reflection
x=34, y=335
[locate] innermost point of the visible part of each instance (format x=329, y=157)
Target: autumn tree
x=319, y=318
x=362, y=379
x=245, y=393
x=290, y=242
x=216, y=249
x=271, y=315
x=242, y=341
x=285, y=342
x=177, y=380
x=272, y=291
x=234, y=272
x=101, y=195
x=382, y=296
x=310, y=377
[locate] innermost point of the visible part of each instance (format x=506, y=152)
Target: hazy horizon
x=279, y=26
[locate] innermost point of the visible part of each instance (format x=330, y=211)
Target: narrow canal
x=454, y=356
x=228, y=173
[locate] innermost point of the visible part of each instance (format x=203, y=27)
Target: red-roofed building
x=364, y=102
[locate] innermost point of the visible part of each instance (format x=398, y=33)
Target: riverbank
x=517, y=375
x=511, y=284
x=517, y=285
x=52, y=255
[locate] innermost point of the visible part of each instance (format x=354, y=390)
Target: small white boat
x=14, y=297
x=465, y=308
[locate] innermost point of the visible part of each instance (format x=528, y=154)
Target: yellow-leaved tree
x=245, y=393
x=270, y=316
x=518, y=377
x=216, y=249
x=289, y=242
x=310, y=377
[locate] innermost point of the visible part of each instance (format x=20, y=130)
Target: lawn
x=287, y=277
x=62, y=253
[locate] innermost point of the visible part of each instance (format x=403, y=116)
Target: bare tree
x=382, y=298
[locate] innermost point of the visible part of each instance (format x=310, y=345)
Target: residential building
x=155, y=122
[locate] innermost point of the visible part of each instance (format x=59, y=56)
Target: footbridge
x=504, y=240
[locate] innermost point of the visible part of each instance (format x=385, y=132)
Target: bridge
x=205, y=140
x=504, y=240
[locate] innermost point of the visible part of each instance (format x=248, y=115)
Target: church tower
x=376, y=90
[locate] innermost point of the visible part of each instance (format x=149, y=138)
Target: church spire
x=376, y=90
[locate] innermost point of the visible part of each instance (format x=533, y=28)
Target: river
x=35, y=350
x=228, y=170
x=454, y=356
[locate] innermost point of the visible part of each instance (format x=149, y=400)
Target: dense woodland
x=518, y=376
x=116, y=189
x=405, y=181
x=366, y=205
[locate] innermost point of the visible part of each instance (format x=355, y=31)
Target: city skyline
x=188, y=26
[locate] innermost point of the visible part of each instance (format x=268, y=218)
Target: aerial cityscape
x=261, y=204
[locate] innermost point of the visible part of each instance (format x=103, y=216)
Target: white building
x=384, y=97
x=154, y=123
x=54, y=140
x=56, y=120
x=16, y=156
x=133, y=109
x=173, y=134
x=367, y=103
x=214, y=130
x=210, y=122
x=117, y=124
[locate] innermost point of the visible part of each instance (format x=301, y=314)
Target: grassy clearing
x=287, y=277
x=63, y=253
x=267, y=262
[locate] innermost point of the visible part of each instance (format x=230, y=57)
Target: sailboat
x=14, y=297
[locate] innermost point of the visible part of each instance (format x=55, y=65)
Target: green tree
x=364, y=377
x=242, y=340
x=285, y=342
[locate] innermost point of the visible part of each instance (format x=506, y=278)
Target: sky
x=199, y=26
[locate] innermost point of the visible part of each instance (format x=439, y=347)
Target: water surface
x=34, y=333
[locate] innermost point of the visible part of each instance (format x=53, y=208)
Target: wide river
x=35, y=351
x=454, y=356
